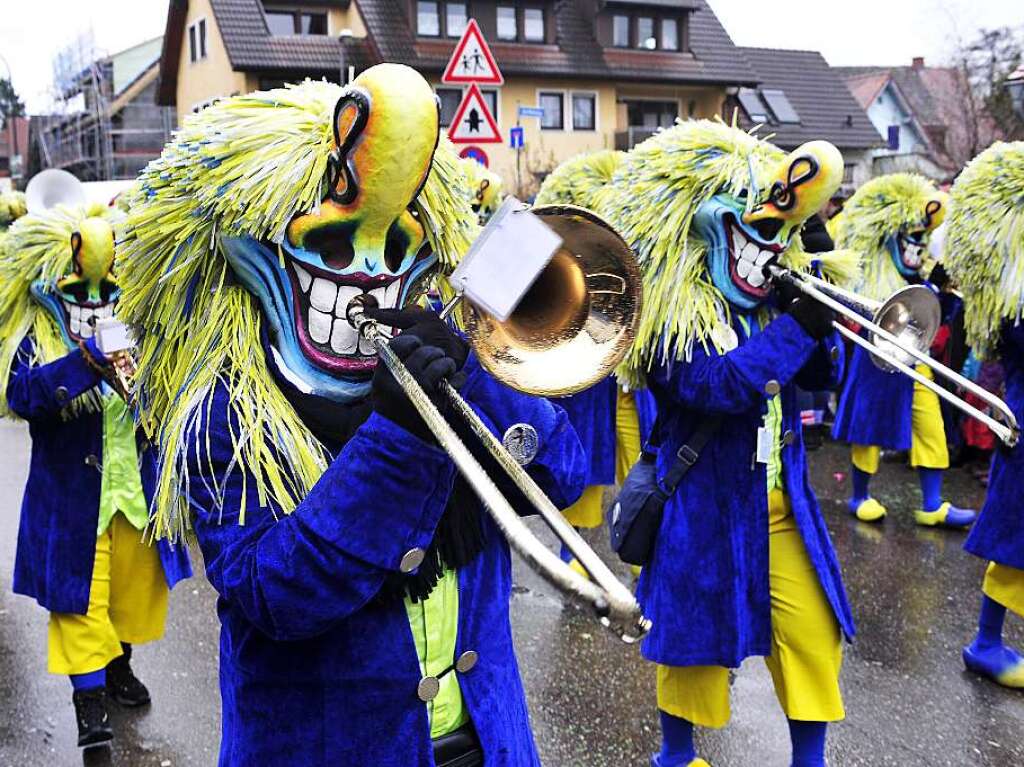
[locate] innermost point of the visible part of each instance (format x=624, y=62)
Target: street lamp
x=343, y=37
x=1015, y=87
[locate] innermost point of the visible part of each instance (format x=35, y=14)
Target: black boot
x=122, y=684
x=92, y=718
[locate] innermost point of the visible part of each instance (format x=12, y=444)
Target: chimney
x=918, y=62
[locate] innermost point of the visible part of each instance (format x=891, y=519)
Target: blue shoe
x=1002, y=664
x=947, y=515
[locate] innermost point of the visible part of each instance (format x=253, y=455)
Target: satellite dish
x=53, y=187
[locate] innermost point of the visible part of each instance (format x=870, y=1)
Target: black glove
x=814, y=317
x=785, y=293
x=431, y=352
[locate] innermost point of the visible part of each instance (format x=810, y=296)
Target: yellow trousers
x=1005, y=585
x=806, y=652
x=927, y=438
x=588, y=510
x=127, y=603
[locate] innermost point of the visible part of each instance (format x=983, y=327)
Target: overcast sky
x=848, y=32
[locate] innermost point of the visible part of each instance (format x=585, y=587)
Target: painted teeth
x=327, y=322
x=749, y=260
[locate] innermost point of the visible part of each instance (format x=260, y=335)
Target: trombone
x=902, y=329
x=579, y=317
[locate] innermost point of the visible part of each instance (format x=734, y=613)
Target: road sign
x=516, y=138
x=473, y=122
x=476, y=153
x=531, y=111
x=472, y=61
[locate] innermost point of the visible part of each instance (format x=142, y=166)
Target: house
x=607, y=73
x=109, y=125
x=924, y=115
x=13, y=148
x=801, y=98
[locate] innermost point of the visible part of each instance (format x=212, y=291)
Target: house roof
x=576, y=53
x=826, y=108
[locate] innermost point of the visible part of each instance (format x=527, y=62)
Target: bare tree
x=984, y=63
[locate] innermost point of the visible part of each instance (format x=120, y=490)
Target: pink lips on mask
x=324, y=334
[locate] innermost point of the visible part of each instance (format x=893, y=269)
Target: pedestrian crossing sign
x=472, y=61
x=473, y=122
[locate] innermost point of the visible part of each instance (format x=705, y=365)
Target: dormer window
x=508, y=29
x=644, y=30
x=285, y=21
x=533, y=25
x=620, y=31
x=521, y=22
x=645, y=33
x=441, y=19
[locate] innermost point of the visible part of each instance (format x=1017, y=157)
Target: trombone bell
x=576, y=322
x=911, y=314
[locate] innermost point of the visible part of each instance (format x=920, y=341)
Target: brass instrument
x=581, y=311
x=902, y=329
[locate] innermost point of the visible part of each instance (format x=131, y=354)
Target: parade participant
x=888, y=221
x=485, y=187
x=363, y=594
x=611, y=420
x=12, y=207
x=742, y=564
x=80, y=552
x=985, y=255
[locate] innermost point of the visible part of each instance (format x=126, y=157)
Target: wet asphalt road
x=915, y=595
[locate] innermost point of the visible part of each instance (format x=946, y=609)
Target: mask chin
x=736, y=254
x=907, y=252
x=309, y=343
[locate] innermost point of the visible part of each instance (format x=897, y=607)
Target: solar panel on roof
x=752, y=105
x=780, y=106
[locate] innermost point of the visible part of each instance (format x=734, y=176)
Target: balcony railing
x=633, y=135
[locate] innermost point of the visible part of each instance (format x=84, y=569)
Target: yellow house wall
x=207, y=78
x=342, y=18
x=545, y=149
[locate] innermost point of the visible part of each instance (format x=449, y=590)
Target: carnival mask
x=908, y=246
x=90, y=292
x=364, y=238
x=743, y=236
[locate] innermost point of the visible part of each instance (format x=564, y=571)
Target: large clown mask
x=744, y=235
x=90, y=291
x=909, y=245
x=364, y=238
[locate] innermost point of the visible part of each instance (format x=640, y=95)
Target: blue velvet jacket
x=875, y=406
x=61, y=506
x=315, y=667
x=592, y=414
x=706, y=589
x=998, y=534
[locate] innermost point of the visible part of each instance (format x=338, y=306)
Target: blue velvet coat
x=315, y=669
x=61, y=506
x=592, y=414
x=706, y=589
x=875, y=406
x=998, y=534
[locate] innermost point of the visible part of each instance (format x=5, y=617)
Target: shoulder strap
x=688, y=454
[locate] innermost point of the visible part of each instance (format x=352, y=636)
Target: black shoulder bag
x=635, y=517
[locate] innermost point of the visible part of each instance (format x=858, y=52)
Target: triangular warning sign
x=473, y=122
x=472, y=61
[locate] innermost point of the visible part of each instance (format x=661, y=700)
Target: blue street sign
x=531, y=111
x=516, y=139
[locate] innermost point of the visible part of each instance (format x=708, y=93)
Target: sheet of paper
x=505, y=259
x=112, y=335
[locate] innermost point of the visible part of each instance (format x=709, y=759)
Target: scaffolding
x=94, y=132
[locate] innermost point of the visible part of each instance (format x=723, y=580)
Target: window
x=620, y=31
x=456, y=19
x=893, y=138
x=584, y=111
x=508, y=29
x=450, y=99
x=428, y=19
x=491, y=99
x=533, y=25
x=753, y=106
x=670, y=34
x=645, y=33
x=780, y=106
x=197, y=41
x=552, y=105
x=281, y=22
x=312, y=23
x=848, y=173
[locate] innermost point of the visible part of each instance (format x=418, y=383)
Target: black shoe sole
x=96, y=739
x=129, y=702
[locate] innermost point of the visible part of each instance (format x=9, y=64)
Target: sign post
x=473, y=64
